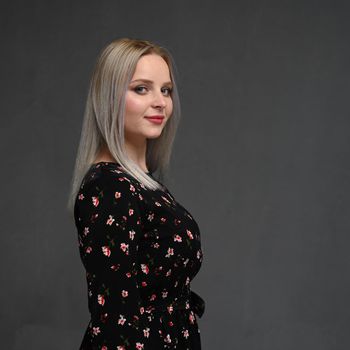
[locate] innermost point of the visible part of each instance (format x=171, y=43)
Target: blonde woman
x=139, y=246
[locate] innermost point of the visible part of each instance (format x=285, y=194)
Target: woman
x=140, y=247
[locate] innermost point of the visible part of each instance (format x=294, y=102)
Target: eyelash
x=136, y=89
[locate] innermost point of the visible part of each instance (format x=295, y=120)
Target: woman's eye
x=167, y=91
x=140, y=89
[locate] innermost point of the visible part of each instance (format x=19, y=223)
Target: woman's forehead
x=151, y=67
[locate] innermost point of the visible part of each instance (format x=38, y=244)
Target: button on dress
x=140, y=249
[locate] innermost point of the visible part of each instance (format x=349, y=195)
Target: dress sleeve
x=110, y=229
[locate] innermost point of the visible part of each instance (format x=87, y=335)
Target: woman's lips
x=155, y=119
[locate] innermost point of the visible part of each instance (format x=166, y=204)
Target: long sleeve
x=109, y=220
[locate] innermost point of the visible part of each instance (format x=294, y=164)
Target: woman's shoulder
x=107, y=174
x=103, y=187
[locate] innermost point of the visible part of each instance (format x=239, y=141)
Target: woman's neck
x=137, y=154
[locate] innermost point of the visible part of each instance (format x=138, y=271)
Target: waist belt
x=188, y=300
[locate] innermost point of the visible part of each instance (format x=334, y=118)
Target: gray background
x=261, y=160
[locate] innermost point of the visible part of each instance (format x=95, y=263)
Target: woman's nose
x=159, y=100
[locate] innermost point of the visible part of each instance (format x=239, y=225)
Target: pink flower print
x=150, y=217
x=191, y=317
x=125, y=248
x=88, y=250
x=153, y=297
x=170, y=323
x=142, y=310
x=115, y=267
x=164, y=293
x=132, y=188
x=170, y=252
x=167, y=339
x=131, y=211
x=168, y=273
x=189, y=234
x=170, y=309
x=132, y=234
x=101, y=299
x=117, y=195
x=86, y=231
x=95, y=201
x=96, y=330
x=144, y=284
x=144, y=268
x=81, y=197
x=128, y=274
x=110, y=220
x=104, y=347
x=177, y=238
x=106, y=251
x=125, y=293
x=187, y=281
x=139, y=346
x=185, y=333
x=156, y=245
x=121, y=320
x=199, y=254
x=157, y=204
x=177, y=222
x=121, y=347
x=163, y=219
x=140, y=197
x=146, y=332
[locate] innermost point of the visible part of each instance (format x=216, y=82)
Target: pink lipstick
x=157, y=119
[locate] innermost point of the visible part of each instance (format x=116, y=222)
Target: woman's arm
x=109, y=232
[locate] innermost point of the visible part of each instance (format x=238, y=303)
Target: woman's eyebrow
x=149, y=81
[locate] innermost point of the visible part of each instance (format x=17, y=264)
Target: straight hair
x=103, y=122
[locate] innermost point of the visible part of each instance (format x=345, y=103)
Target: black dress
x=140, y=249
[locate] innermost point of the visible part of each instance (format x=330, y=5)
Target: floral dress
x=140, y=249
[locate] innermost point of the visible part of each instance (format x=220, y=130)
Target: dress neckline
x=114, y=163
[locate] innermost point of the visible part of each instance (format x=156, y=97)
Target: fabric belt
x=198, y=304
x=187, y=300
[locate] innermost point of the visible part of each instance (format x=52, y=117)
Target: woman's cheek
x=130, y=105
x=169, y=108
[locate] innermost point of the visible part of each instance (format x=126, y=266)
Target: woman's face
x=148, y=95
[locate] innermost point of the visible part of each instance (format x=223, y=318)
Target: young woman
x=139, y=246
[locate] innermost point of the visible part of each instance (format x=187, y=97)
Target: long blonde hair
x=103, y=124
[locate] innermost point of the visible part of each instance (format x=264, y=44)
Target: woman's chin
x=154, y=135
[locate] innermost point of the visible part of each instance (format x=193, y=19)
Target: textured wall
x=261, y=160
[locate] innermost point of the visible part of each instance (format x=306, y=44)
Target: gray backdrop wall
x=261, y=160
